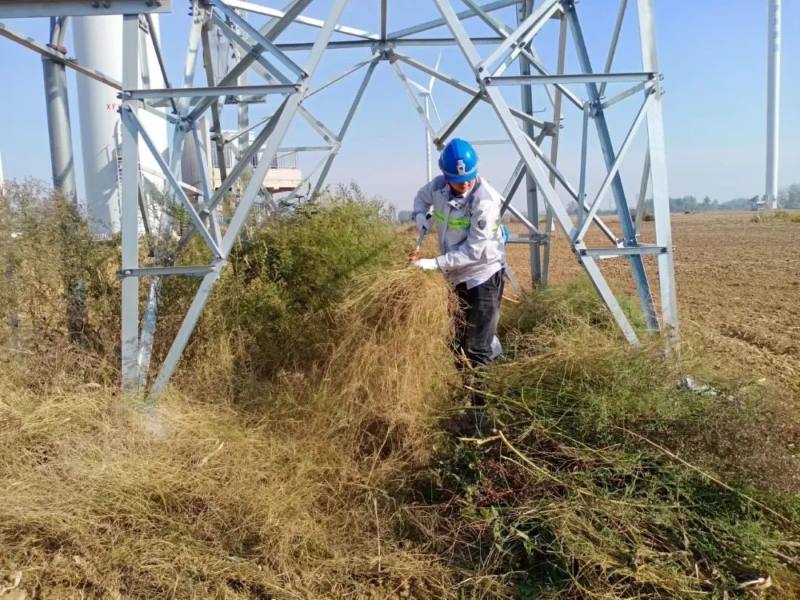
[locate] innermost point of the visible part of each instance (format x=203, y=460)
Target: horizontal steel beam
x=204, y=92
x=465, y=88
x=198, y=271
x=571, y=78
x=80, y=8
x=615, y=252
x=527, y=238
x=395, y=42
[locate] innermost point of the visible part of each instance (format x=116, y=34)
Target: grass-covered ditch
x=316, y=442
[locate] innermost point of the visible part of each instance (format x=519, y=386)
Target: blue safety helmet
x=459, y=161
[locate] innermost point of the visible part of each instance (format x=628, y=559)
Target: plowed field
x=738, y=287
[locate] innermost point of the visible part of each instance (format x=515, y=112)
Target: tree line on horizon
x=788, y=197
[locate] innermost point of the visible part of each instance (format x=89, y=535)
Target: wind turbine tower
x=426, y=93
x=773, y=102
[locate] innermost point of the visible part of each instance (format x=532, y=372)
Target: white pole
x=773, y=101
x=428, y=141
x=98, y=44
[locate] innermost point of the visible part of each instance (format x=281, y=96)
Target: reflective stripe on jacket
x=470, y=239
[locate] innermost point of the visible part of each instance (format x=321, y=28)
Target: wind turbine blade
x=436, y=111
x=436, y=68
x=418, y=86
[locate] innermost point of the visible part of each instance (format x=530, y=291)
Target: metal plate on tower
x=10, y=9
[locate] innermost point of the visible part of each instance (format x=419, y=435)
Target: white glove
x=426, y=264
x=423, y=222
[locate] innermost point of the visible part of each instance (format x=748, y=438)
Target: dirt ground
x=738, y=287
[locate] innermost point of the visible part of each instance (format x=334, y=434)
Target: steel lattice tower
x=264, y=52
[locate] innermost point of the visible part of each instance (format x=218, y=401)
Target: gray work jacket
x=470, y=239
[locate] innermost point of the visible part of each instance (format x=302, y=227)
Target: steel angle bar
x=129, y=225
x=534, y=168
x=513, y=185
x=393, y=43
x=154, y=42
x=581, y=199
x=413, y=97
x=81, y=8
x=184, y=333
x=642, y=193
x=531, y=192
x=193, y=47
x=176, y=186
x=606, y=145
x=612, y=47
x=211, y=79
x=244, y=161
x=451, y=81
x=345, y=126
x=441, y=137
x=204, y=178
x=248, y=48
x=282, y=120
x=504, y=114
x=56, y=56
x=600, y=284
x=658, y=170
x=318, y=126
x=384, y=19
x=567, y=79
x=642, y=249
x=245, y=26
x=614, y=170
x=266, y=70
x=280, y=125
x=503, y=30
x=286, y=151
x=344, y=75
x=270, y=31
x=511, y=188
x=640, y=87
x=213, y=91
x=525, y=221
x=465, y=14
x=160, y=175
x=526, y=40
x=318, y=23
x=557, y=175
x=553, y=169
x=515, y=39
x=311, y=172
x=189, y=271
x=242, y=132
x=554, y=145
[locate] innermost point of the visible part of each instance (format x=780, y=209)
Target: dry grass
x=192, y=500
x=301, y=453
x=600, y=476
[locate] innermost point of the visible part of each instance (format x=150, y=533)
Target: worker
x=466, y=210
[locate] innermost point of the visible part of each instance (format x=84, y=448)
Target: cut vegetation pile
x=312, y=445
x=194, y=499
x=578, y=491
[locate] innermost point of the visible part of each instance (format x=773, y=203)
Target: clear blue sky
x=713, y=55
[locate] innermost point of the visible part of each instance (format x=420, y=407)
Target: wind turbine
x=426, y=93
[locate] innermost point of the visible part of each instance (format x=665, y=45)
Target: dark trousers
x=480, y=310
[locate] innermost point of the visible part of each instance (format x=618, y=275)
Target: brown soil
x=738, y=287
